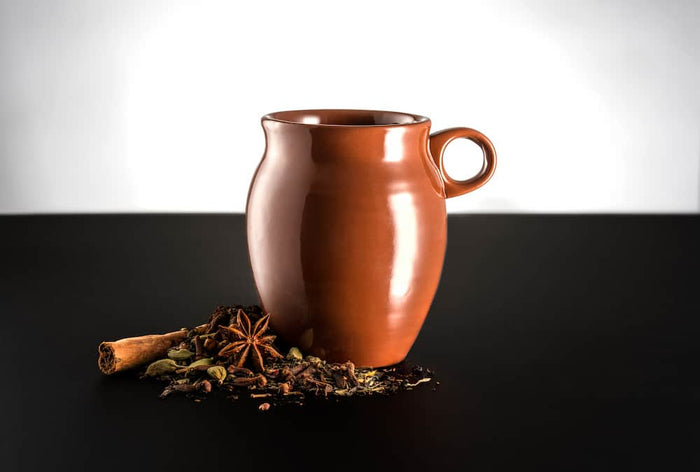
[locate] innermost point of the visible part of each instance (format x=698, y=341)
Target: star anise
x=248, y=342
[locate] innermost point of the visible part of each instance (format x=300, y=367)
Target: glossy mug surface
x=347, y=228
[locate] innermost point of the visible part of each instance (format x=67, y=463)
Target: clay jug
x=347, y=228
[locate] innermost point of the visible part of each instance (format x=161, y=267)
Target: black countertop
x=562, y=342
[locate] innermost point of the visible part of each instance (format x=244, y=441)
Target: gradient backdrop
x=131, y=106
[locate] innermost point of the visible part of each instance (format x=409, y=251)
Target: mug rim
x=335, y=117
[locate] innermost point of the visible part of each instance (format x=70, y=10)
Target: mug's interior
x=346, y=117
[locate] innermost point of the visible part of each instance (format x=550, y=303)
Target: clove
x=210, y=345
x=340, y=379
x=198, y=348
x=352, y=378
x=235, y=370
x=259, y=380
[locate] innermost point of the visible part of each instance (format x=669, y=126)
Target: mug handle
x=438, y=143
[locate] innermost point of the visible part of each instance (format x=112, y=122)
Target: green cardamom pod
x=314, y=361
x=217, y=372
x=161, y=367
x=295, y=353
x=205, y=361
x=180, y=354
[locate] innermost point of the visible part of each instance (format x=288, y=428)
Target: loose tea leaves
x=234, y=353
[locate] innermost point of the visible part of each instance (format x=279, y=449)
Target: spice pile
x=234, y=352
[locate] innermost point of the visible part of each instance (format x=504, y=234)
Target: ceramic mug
x=347, y=228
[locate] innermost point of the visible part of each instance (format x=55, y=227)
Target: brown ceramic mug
x=347, y=228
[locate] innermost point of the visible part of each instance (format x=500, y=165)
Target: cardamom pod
x=180, y=354
x=161, y=367
x=217, y=372
x=295, y=353
x=205, y=361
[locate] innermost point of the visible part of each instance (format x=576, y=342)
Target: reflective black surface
x=572, y=344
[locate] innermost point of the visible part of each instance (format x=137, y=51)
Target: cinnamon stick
x=128, y=353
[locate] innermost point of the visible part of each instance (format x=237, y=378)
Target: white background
x=135, y=106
